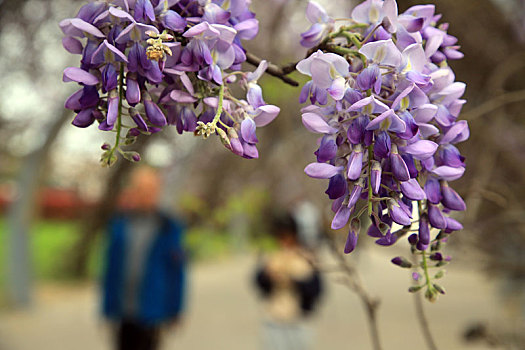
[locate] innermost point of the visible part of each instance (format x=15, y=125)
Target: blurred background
x=55, y=199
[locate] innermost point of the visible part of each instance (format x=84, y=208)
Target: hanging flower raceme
x=385, y=103
x=149, y=63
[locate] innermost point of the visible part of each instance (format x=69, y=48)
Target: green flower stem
x=219, y=106
x=424, y=262
x=425, y=270
x=343, y=50
x=370, y=201
x=119, y=115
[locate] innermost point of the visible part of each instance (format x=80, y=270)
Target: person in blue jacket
x=144, y=274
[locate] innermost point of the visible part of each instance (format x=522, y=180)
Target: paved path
x=224, y=313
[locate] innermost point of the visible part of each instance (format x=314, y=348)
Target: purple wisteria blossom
x=150, y=63
x=387, y=106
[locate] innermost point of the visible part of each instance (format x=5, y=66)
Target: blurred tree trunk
x=20, y=215
x=97, y=219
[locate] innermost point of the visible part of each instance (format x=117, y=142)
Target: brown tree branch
x=273, y=69
x=423, y=322
x=355, y=283
x=494, y=104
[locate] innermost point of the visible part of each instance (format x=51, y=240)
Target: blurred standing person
x=291, y=287
x=144, y=275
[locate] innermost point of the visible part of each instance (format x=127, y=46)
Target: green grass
x=52, y=242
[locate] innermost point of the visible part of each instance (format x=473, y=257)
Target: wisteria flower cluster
x=150, y=63
x=385, y=101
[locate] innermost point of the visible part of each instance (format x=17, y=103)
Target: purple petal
x=436, y=217
x=327, y=150
x=182, y=97
x=322, y=170
x=84, y=118
x=72, y=45
x=398, y=214
x=412, y=190
x=316, y=123
x=73, y=101
x=355, y=164
x=80, y=76
x=457, y=133
x=451, y=199
x=351, y=242
x=78, y=27
x=356, y=193
x=337, y=187
x=132, y=91
x=337, y=89
x=248, y=29
x=266, y=114
x=154, y=113
x=112, y=109
x=141, y=124
x=376, y=177
x=250, y=151
x=248, y=128
x=399, y=168
x=254, y=95
x=433, y=190
x=421, y=149
x=382, y=145
x=453, y=225
x=382, y=52
x=368, y=77
x=448, y=173
x=373, y=231
x=172, y=20
x=425, y=113
x=341, y=218
x=424, y=230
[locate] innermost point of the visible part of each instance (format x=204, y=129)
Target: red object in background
x=5, y=198
x=61, y=204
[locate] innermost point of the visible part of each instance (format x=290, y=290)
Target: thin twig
x=494, y=103
x=423, y=322
x=355, y=283
x=273, y=69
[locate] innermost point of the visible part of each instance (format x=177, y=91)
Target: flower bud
x=436, y=256
x=382, y=145
x=337, y=187
x=376, y=176
x=327, y=150
x=224, y=137
x=439, y=288
x=397, y=213
x=137, y=118
x=451, y=199
x=399, y=168
x=432, y=190
x=112, y=115
x=424, y=230
x=416, y=276
x=431, y=294
x=341, y=217
x=414, y=289
x=351, y=242
x=402, y=262
x=412, y=190
x=356, y=193
x=355, y=164
x=153, y=112
x=436, y=217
